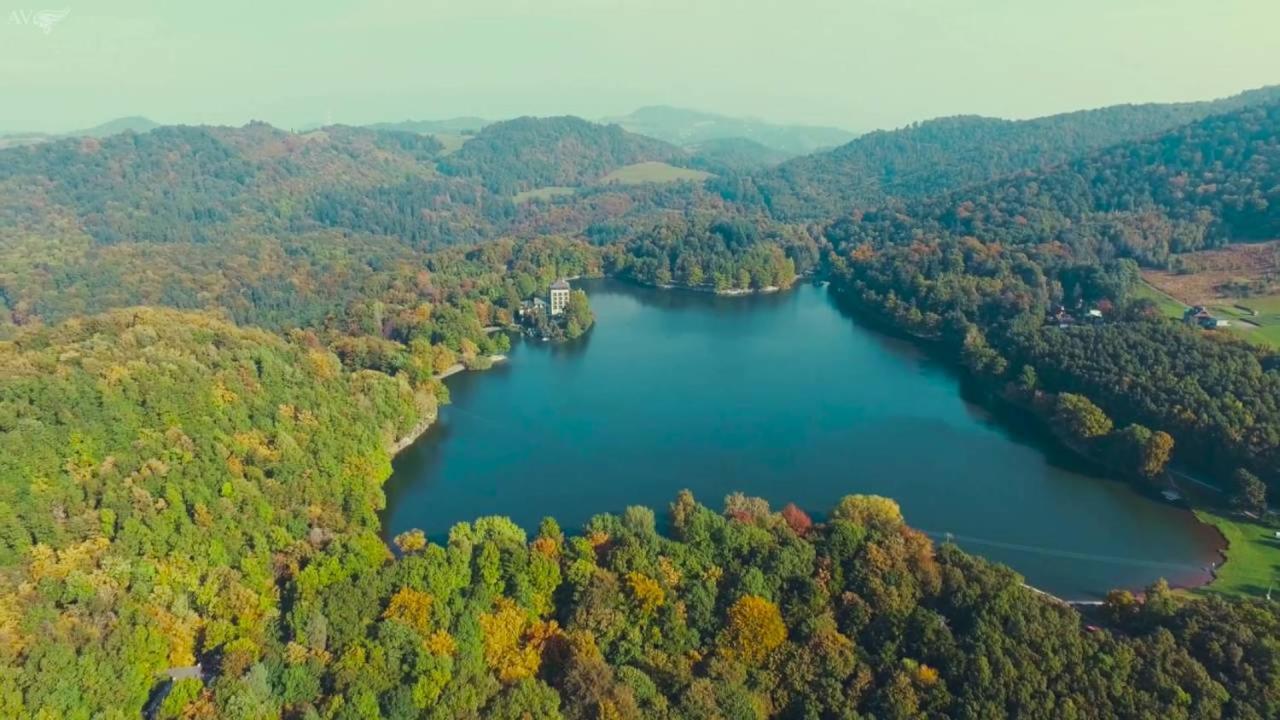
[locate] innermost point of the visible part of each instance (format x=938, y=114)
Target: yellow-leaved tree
x=754, y=630
x=413, y=608
x=513, y=642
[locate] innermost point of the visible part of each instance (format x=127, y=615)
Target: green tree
x=1248, y=493
x=578, y=317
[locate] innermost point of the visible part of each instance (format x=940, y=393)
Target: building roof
x=560, y=284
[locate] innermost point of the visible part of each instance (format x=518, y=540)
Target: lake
x=787, y=397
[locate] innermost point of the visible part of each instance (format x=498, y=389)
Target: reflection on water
x=788, y=397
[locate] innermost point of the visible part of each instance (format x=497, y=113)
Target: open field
x=1168, y=306
x=1239, y=282
x=652, y=172
x=639, y=173
x=545, y=193
x=1253, y=554
x=1211, y=276
x=450, y=141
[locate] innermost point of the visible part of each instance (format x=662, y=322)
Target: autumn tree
x=646, y=592
x=797, y=519
x=869, y=511
x=411, y=541
x=1156, y=454
x=411, y=607
x=753, y=631
x=1077, y=417
x=513, y=643
x=1138, y=450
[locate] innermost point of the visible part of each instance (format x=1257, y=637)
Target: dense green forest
x=933, y=157
x=283, y=228
x=530, y=153
x=213, y=337
x=723, y=156
x=714, y=253
x=159, y=468
x=982, y=268
x=166, y=540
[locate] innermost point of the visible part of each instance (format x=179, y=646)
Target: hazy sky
x=859, y=64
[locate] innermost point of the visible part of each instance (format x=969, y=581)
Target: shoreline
x=994, y=401
x=731, y=292
x=417, y=431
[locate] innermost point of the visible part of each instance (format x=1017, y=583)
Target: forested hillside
x=213, y=336
x=730, y=155
x=981, y=268
x=747, y=614
x=714, y=253
x=684, y=127
x=939, y=155
x=159, y=469
x=287, y=230
x=530, y=153
x=197, y=184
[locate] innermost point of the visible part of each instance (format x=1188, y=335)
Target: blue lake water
x=783, y=396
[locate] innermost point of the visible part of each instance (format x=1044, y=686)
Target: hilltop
x=530, y=153
x=685, y=127
x=931, y=157
x=111, y=127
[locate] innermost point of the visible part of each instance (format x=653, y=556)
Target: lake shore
x=456, y=368
x=731, y=292
x=473, y=466
x=996, y=401
x=411, y=437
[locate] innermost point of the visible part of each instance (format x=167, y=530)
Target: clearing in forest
x=653, y=172
x=1239, y=282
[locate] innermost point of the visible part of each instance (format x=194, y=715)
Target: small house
x=1196, y=315
x=1200, y=315
x=530, y=308
x=1060, y=317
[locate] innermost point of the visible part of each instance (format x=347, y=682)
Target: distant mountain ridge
x=464, y=124
x=681, y=126
x=939, y=155
x=135, y=123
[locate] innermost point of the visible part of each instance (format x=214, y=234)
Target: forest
x=213, y=338
x=982, y=268
x=933, y=157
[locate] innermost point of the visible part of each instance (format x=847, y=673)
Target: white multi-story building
x=559, y=297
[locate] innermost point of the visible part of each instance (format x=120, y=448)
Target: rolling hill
x=736, y=154
x=112, y=127
x=457, y=125
x=939, y=155
x=530, y=153
x=685, y=127
x=189, y=183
